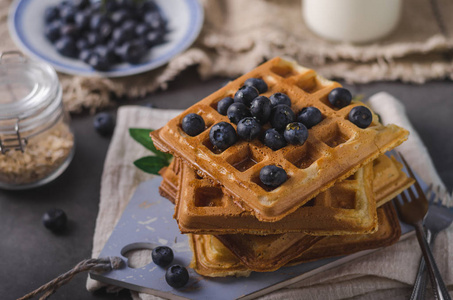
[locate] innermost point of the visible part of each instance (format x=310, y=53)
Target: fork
x=412, y=211
x=440, y=217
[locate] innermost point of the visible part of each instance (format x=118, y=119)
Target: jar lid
x=28, y=89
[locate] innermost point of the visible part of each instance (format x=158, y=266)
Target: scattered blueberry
x=257, y=83
x=281, y=115
x=340, y=97
x=309, y=116
x=193, y=124
x=55, y=219
x=360, y=116
x=104, y=123
x=237, y=111
x=162, y=256
x=248, y=129
x=280, y=98
x=66, y=46
x=245, y=95
x=177, y=276
x=273, y=176
x=274, y=139
x=296, y=133
x=222, y=135
x=261, y=109
x=222, y=105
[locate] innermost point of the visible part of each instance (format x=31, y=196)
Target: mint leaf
x=151, y=164
x=141, y=135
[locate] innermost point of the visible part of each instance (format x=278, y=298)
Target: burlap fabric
x=387, y=274
x=238, y=35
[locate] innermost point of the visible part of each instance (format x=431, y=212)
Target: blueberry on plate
x=222, y=105
x=153, y=38
x=273, y=176
x=141, y=29
x=162, y=256
x=245, y=95
x=81, y=4
x=104, y=123
x=261, y=109
x=51, y=14
x=296, y=133
x=281, y=115
x=82, y=20
x=154, y=20
x=280, y=98
x=52, y=31
x=98, y=61
x=237, y=111
x=66, y=46
x=177, y=276
x=193, y=124
x=133, y=52
x=360, y=116
x=119, y=16
x=274, y=139
x=340, y=97
x=84, y=55
x=248, y=129
x=67, y=14
x=69, y=30
x=82, y=44
x=257, y=83
x=129, y=28
x=310, y=116
x=222, y=135
x=55, y=219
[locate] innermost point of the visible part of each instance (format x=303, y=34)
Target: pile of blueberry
x=176, y=275
x=105, y=33
x=250, y=112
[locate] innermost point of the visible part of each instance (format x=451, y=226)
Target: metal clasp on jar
x=16, y=143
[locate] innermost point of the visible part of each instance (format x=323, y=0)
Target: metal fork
x=440, y=217
x=412, y=211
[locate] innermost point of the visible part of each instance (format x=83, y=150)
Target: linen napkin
x=387, y=273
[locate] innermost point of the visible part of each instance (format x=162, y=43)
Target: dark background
x=31, y=255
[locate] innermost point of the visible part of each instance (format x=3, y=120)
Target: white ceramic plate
x=26, y=26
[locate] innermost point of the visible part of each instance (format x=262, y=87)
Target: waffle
x=334, y=150
x=196, y=214
x=213, y=259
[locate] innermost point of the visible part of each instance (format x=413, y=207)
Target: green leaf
x=141, y=135
x=151, y=164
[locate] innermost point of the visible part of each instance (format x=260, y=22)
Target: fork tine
x=409, y=170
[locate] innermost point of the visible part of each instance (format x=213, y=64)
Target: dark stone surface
x=32, y=255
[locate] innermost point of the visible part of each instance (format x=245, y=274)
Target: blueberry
x=98, y=61
x=153, y=38
x=81, y=4
x=69, y=30
x=92, y=38
x=105, y=30
x=237, y=111
x=281, y=115
x=280, y=98
x=248, y=129
x=141, y=29
x=119, y=16
x=107, y=52
x=222, y=105
x=273, y=176
x=261, y=109
x=133, y=52
x=193, y=124
x=52, y=31
x=82, y=44
x=154, y=20
x=119, y=36
x=245, y=95
x=51, y=14
x=55, y=219
x=273, y=139
x=310, y=116
x=67, y=14
x=97, y=20
x=222, y=135
x=82, y=20
x=296, y=133
x=257, y=83
x=66, y=46
x=85, y=55
x=104, y=123
x=162, y=256
x=360, y=116
x=177, y=276
x=129, y=28
x=340, y=97
x=148, y=6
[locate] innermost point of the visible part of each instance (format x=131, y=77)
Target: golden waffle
x=334, y=150
x=225, y=217
x=214, y=259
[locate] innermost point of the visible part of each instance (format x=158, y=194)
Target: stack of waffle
x=333, y=203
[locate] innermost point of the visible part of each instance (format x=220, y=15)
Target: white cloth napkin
x=388, y=273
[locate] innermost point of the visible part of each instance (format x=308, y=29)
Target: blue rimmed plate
x=26, y=26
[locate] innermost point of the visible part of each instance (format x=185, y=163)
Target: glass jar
x=36, y=140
